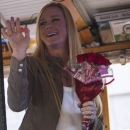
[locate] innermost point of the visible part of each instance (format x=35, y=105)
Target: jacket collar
x=52, y=58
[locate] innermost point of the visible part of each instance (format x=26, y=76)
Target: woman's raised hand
x=18, y=41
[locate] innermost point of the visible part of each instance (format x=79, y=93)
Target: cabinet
x=109, y=47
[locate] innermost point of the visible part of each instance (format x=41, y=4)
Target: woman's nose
x=49, y=25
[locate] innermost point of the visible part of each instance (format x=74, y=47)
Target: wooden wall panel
x=80, y=23
x=85, y=34
x=105, y=101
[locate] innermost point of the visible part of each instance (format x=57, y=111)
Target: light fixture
x=3, y=21
x=122, y=57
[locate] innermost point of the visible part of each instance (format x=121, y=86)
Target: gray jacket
x=28, y=89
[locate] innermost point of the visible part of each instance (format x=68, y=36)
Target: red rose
x=101, y=60
x=91, y=57
x=82, y=57
x=94, y=58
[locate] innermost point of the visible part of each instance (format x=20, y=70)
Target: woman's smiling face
x=53, y=29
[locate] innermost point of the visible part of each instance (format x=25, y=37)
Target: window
x=119, y=98
x=14, y=119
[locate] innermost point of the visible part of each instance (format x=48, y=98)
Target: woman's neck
x=63, y=53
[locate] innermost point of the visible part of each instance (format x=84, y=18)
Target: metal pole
x=3, y=125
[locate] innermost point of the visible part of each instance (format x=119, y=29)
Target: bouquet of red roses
x=90, y=71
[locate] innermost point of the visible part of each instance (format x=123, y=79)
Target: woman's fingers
x=27, y=32
x=9, y=28
x=92, y=117
x=88, y=106
x=89, y=114
x=89, y=110
x=18, y=25
x=89, y=103
x=12, y=24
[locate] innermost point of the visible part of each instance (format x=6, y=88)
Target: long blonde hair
x=73, y=40
x=73, y=43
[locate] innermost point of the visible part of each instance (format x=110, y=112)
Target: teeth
x=51, y=34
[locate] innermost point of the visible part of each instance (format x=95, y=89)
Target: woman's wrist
x=19, y=55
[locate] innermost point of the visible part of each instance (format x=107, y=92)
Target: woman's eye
x=55, y=19
x=42, y=23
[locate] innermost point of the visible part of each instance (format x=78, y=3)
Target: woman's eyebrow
x=42, y=19
x=55, y=16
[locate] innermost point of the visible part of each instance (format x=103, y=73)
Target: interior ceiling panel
x=21, y=8
x=96, y=6
x=24, y=9
x=89, y=7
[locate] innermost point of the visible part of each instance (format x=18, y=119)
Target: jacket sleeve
x=19, y=92
x=98, y=124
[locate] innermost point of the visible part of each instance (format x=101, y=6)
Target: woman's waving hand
x=18, y=41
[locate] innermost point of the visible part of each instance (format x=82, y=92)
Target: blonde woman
x=38, y=83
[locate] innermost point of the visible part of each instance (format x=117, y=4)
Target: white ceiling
x=97, y=4
x=90, y=7
x=24, y=9
x=21, y=8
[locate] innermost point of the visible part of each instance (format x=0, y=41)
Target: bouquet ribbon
x=89, y=73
